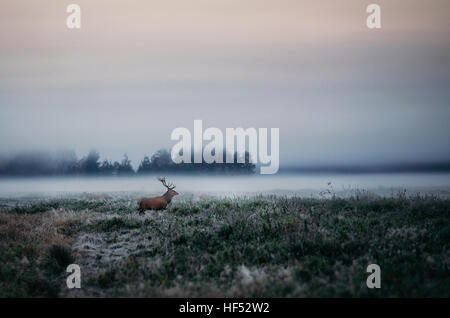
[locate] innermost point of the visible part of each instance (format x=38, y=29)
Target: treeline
x=67, y=164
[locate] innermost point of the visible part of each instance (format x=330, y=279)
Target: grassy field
x=263, y=246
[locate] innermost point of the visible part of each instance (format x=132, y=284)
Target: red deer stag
x=158, y=203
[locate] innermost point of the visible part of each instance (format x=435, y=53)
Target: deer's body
x=157, y=203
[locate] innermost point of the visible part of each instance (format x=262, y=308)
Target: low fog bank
x=438, y=166
x=317, y=185
x=67, y=163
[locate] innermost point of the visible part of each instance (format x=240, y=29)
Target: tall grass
x=265, y=246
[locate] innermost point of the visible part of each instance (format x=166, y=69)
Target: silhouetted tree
x=66, y=163
x=116, y=168
x=162, y=160
x=90, y=164
x=145, y=166
x=125, y=166
x=106, y=167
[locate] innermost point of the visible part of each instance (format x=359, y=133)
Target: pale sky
x=339, y=92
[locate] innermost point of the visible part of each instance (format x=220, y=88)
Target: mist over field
x=199, y=186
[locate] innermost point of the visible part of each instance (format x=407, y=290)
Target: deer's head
x=170, y=187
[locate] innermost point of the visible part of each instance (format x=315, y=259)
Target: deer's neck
x=167, y=196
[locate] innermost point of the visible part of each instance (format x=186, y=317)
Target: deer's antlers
x=169, y=186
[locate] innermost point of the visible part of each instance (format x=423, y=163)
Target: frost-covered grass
x=268, y=246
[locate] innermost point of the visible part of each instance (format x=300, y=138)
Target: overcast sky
x=339, y=92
